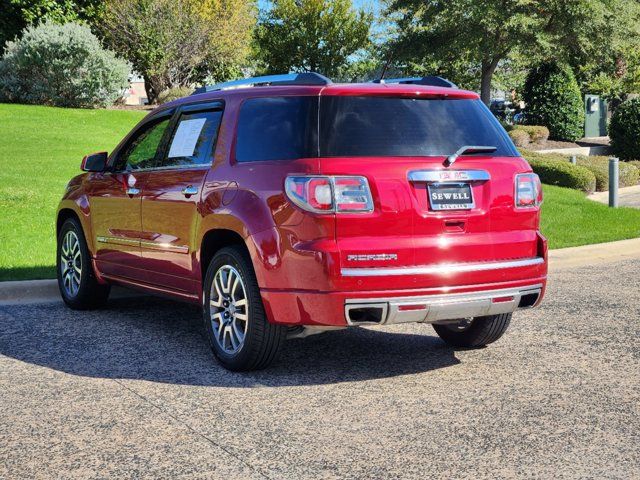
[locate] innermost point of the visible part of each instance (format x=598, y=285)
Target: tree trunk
x=488, y=69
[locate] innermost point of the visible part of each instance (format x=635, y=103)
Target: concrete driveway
x=132, y=392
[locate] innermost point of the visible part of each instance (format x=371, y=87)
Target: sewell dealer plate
x=450, y=196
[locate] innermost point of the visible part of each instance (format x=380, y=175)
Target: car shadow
x=159, y=340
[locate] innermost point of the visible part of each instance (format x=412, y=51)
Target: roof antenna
x=385, y=68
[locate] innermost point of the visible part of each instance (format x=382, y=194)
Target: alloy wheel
x=229, y=309
x=71, y=263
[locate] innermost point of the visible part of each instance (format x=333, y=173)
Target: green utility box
x=596, y=109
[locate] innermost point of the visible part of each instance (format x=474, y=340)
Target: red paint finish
x=154, y=239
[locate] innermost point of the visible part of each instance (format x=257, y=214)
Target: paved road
x=132, y=392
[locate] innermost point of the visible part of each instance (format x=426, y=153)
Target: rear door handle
x=190, y=190
x=133, y=191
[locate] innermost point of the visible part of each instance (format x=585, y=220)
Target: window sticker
x=186, y=138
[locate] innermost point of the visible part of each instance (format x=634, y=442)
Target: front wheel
x=78, y=285
x=475, y=332
x=237, y=328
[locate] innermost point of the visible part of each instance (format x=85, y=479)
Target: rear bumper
x=434, y=308
x=295, y=307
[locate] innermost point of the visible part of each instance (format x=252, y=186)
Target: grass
x=569, y=219
x=41, y=149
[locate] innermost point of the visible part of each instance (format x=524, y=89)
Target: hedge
x=635, y=163
x=556, y=170
x=599, y=165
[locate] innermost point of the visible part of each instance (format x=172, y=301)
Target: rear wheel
x=475, y=332
x=237, y=328
x=77, y=283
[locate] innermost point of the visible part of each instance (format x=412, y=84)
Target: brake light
x=528, y=190
x=329, y=194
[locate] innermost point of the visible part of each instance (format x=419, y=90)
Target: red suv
x=288, y=205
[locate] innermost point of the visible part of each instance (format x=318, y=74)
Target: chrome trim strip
x=445, y=176
x=442, y=307
x=442, y=269
x=166, y=247
x=118, y=240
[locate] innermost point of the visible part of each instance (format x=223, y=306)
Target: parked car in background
x=289, y=205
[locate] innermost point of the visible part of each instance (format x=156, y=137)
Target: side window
x=193, y=138
x=143, y=148
x=277, y=128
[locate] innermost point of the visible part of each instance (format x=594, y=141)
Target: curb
x=46, y=291
x=594, y=254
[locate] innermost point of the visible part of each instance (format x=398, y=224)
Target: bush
x=635, y=163
x=556, y=170
x=522, y=135
x=629, y=174
x=520, y=138
x=536, y=133
x=175, y=93
x=624, y=130
x=553, y=99
x=62, y=65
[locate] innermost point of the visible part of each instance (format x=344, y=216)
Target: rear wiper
x=467, y=149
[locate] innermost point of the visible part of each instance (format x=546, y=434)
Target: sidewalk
x=628, y=197
x=44, y=291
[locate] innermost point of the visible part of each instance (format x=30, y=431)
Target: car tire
x=477, y=333
x=78, y=285
x=235, y=322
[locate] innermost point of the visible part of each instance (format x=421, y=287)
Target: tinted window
x=142, y=149
x=277, y=128
x=373, y=126
x=192, y=139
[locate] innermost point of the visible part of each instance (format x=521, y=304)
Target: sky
x=373, y=5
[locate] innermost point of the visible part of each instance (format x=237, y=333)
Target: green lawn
x=569, y=219
x=41, y=149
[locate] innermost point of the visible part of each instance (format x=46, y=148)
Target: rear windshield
x=286, y=128
x=379, y=126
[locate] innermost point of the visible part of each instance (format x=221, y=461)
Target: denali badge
x=376, y=256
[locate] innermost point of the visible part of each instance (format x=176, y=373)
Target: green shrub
x=62, y=65
x=553, y=99
x=522, y=135
x=556, y=170
x=599, y=165
x=536, y=133
x=175, y=93
x=520, y=138
x=624, y=130
x=635, y=163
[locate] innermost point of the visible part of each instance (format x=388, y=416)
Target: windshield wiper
x=466, y=150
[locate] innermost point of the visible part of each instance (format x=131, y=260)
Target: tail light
x=528, y=192
x=329, y=194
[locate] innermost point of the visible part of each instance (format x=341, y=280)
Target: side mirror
x=95, y=162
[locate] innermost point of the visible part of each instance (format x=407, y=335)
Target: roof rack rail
x=305, y=78
x=430, y=80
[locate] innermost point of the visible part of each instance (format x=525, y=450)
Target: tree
x=18, y=14
x=311, y=35
x=175, y=43
x=471, y=37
